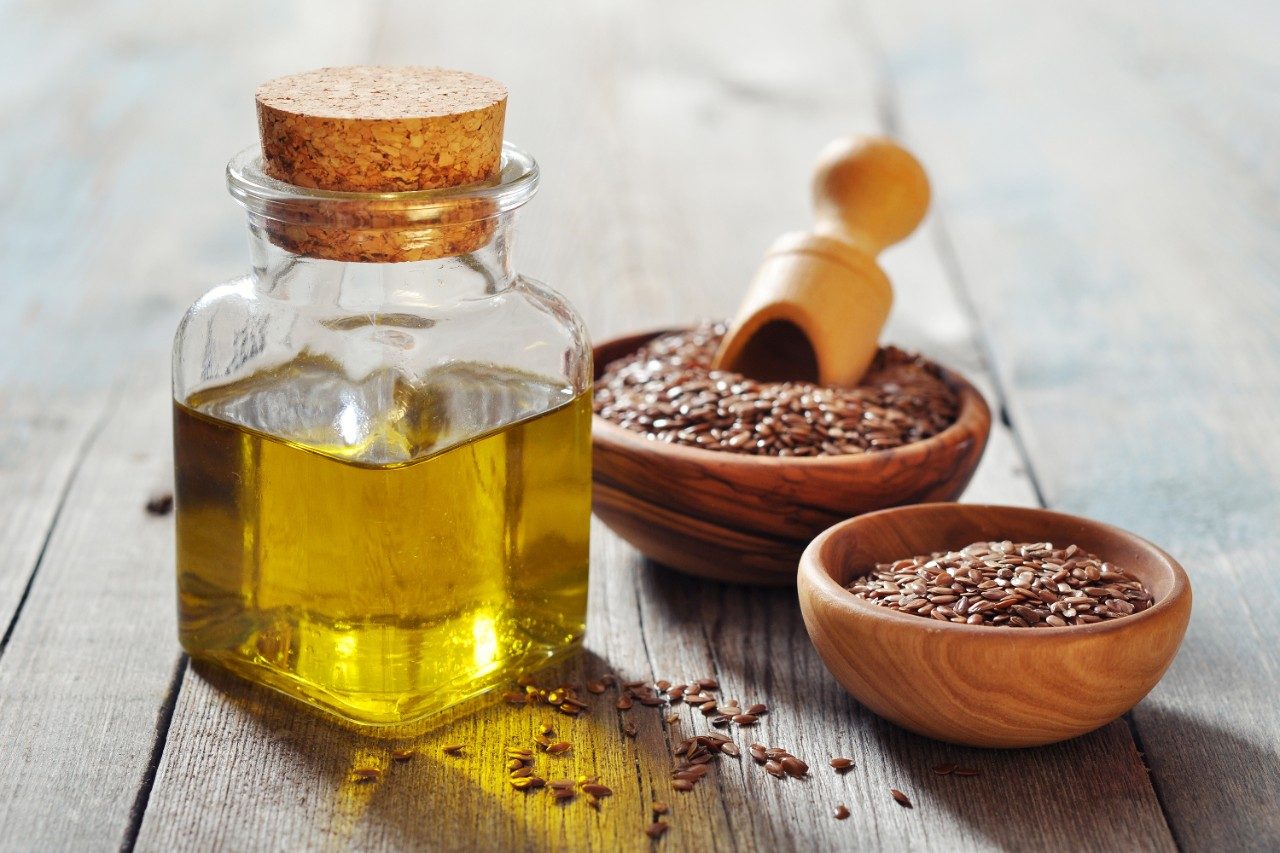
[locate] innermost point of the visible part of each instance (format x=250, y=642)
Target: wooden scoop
x=816, y=306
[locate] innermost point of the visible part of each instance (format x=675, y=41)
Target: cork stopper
x=371, y=129
x=374, y=129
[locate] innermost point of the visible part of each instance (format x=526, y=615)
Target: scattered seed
x=758, y=709
x=841, y=812
x=160, y=504
x=757, y=752
x=901, y=798
x=563, y=793
x=624, y=702
x=365, y=775
x=595, y=687
x=745, y=719
x=406, y=754
x=453, y=749
x=773, y=768
x=966, y=771
x=559, y=747
x=657, y=829
x=596, y=790
x=660, y=807
x=521, y=772
x=841, y=764
x=683, y=784
x=794, y=766
x=730, y=748
x=944, y=769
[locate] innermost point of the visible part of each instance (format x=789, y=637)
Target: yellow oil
x=385, y=574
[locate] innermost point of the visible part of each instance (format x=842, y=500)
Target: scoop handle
x=869, y=191
x=817, y=304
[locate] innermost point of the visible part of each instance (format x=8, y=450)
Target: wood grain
x=90, y=665
x=1105, y=188
x=637, y=121
x=1129, y=202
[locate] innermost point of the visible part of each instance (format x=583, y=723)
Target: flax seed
x=841, y=812
x=841, y=764
x=901, y=798
x=667, y=391
x=1003, y=584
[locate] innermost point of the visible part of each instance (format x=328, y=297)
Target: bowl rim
x=813, y=569
x=969, y=421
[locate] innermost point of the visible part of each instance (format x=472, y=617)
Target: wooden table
x=1102, y=258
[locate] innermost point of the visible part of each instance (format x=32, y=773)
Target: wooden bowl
x=979, y=685
x=735, y=517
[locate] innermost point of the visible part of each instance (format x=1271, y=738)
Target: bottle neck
x=357, y=286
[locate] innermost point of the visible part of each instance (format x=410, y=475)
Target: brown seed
x=794, y=766
x=559, y=747
x=757, y=709
x=708, y=684
x=514, y=698
x=966, y=771
x=660, y=807
x=366, y=774
x=944, y=769
x=773, y=768
x=624, y=702
x=547, y=730
x=841, y=763
x=757, y=752
x=901, y=798
x=521, y=772
x=745, y=719
x=672, y=719
x=563, y=793
x=524, y=783
x=683, y=784
x=730, y=748
x=1003, y=584
x=160, y=503
x=595, y=687
x=406, y=754
x=596, y=790
x=657, y=829
x=841, y=812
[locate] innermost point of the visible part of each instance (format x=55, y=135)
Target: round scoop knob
x=816, y=306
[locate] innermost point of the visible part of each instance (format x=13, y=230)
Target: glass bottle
x=382, y=450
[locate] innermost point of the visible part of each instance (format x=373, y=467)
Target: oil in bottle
x=382, y=549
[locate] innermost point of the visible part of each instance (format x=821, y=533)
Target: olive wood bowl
x=737, y=517
x=980, y=685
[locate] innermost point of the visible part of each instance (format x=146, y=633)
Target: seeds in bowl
x=1006, y=584
x=667, y=391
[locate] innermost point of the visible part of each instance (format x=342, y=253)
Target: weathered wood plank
x=86, y=673
x=655, y=209
x=1104, y=176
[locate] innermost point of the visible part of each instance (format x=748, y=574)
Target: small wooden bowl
x=735, y=517
x=979, y=685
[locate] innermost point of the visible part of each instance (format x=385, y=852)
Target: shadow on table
x=432, y=800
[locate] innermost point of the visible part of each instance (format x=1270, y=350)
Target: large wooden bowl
x=980, y=685
x=735, y=517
